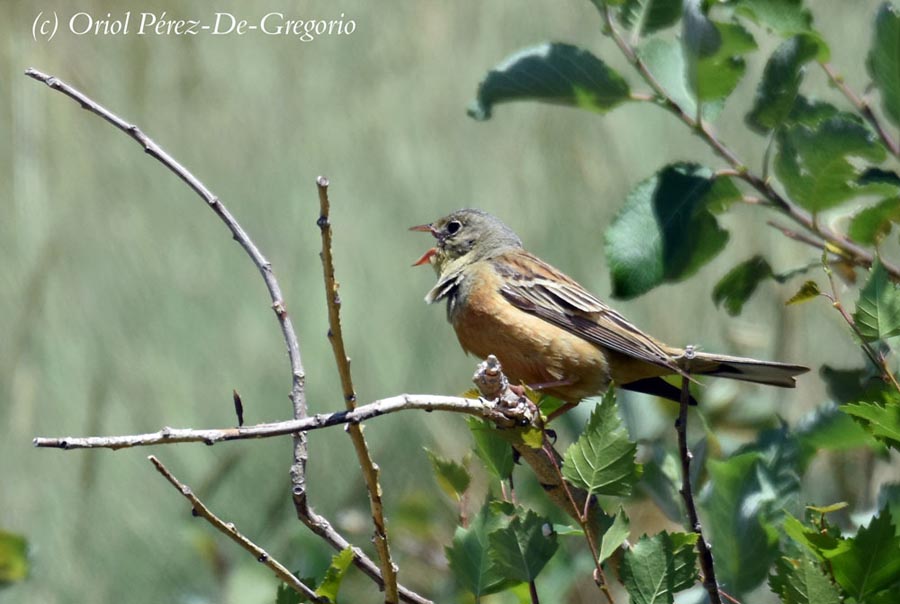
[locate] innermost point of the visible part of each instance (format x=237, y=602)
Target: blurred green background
x=127, y=307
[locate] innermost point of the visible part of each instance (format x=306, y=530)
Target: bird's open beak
x=427, y=256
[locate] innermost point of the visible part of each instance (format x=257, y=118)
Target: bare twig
x=502, y=417
x=705, y=555
x=229, y=530
x=844, y=246
x=335, y=334
x=863, y=107
x=298, y=397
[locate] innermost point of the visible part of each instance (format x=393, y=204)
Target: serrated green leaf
x=872, y=562
x=877, y=315
x=13, y=558
x=780, y=83
x=601, y=461
x=614, y=536
x=882, y=421
x=738, y=505
x=648, y=16
x=802, y=582
x=786, y=17
x=655, y=568
x=813, y=164
x=494, y=451
x=469, y=554
x=553, y=73
x=665, y=60
x=451, y=476
x=334, y=576
x=739, y=283
x=666, y=230
x=807, y=292
x=873, y=224
x=523, y=548
x=713, y=51
x=285, y=594
x=829, y=429
x=883, y=61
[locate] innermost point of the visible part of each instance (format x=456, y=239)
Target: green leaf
x=877, y=315
x=285, y=594
x=744, y=541
x=882, y=421
x=648, y=16
x=470, y=557
x=828, y=509
x=780, y=83
x=13, y=558
x=494, y=451
x=812, y=113
x=665, y=60
x=814, y=166
x=666, y=230
x=451, y=476
x=522, y=549
x=614, y=536
x=872, y=562
x=657, y=567
x=660, y=476
x=601, y=461
x=884, y=59
x=829, y=429
x=808, y=291
x=738, y=285
x=871, y=225
x=334, y=576
x=713, y=51
x=786, y=17
x=552, y=73
x=802, y=582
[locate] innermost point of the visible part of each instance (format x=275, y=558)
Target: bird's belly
x=533, y=351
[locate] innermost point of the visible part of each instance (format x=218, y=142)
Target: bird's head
x=466, y=236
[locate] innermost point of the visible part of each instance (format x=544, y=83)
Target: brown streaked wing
x=535, y=287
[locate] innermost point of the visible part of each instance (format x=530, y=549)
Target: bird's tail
x=747, y=370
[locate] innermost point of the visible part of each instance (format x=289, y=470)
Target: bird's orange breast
x=531, y=350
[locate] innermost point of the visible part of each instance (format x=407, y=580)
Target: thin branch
x=582, y=519
x=229, y=530
x=335, y=334
x=703, y=550
x=297, y=395
x=878, y=360
x=801, y=237
x=424, y=402
x=863, y=107
x=851, y=250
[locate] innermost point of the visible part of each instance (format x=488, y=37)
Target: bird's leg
x=553, y=384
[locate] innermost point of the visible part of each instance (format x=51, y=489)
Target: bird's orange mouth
x=427, y=256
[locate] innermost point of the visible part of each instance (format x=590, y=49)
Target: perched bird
x=548, y=331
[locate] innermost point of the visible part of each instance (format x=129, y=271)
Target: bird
x=549, y=332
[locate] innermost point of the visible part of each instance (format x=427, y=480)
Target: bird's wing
x=535, y=287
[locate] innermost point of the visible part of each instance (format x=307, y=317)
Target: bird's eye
x=453, y=226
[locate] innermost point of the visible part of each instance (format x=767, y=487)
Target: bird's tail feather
x=747, y=370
